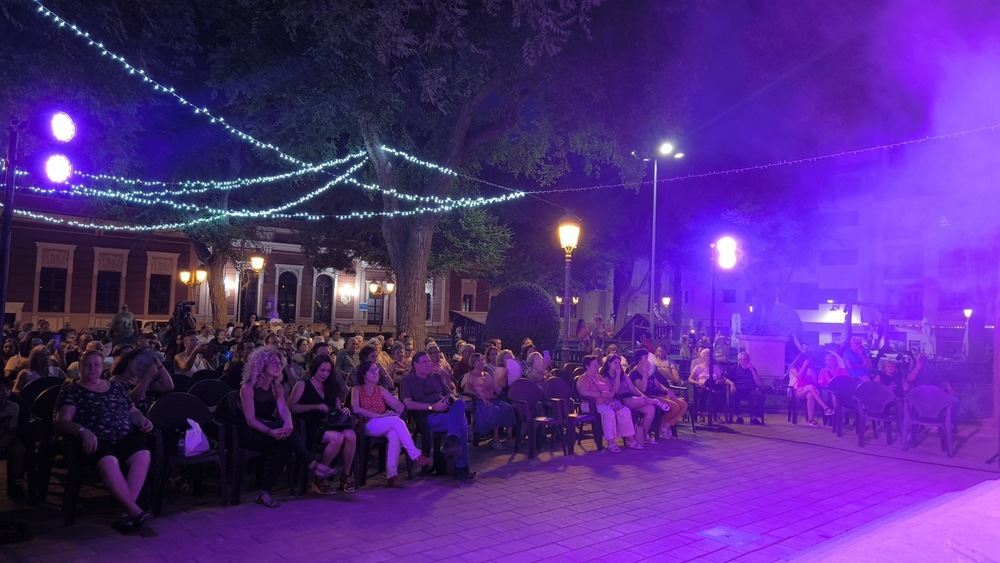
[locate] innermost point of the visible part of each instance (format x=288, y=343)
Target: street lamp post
x=569, y=237
x=965, y=339
x=665, y=149
x=256, y=264
x=52, y=167
x=723, y=256
x=379, y=288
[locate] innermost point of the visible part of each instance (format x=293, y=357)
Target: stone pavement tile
x=543, y=552
x=234, y=554
x=619, y=557
x=582, y=540
x=485, y=554
x=651, y=548
x=769, y=554
x=687, y=552
x=804, y=541
x=721, y=556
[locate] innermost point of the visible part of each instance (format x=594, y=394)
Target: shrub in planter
x=524, y=310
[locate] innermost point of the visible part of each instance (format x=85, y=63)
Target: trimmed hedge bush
x=524, y=310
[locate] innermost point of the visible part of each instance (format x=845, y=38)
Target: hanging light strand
x=194, y=187
x=160, y=88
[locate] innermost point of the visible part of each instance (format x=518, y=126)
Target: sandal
x=321, y=487
x=347, y=484
x=323, y=471
x=613, y=448
x=265, y=499
x=142, y=518
x=125, y=524
x=636, y=445
x=651, y=441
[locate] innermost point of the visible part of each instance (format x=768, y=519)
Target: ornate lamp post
x=569, y=237
x=379, y=288
x=255, y=263
x=193, y=279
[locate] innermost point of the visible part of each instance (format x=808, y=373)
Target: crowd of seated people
x=289, y=379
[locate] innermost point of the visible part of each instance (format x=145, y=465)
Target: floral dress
x=105, y=414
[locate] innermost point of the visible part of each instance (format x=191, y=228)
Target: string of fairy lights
x=160, y=88
x=195, y=187
x=154, y=192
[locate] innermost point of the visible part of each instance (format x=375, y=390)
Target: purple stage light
x=726, y=246
x=58, y=168
x=63, y=127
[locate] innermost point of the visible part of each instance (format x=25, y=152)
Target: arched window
x=323, y=310
x=287, y=288
x=248, y=295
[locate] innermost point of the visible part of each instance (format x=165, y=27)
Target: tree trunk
x=409, y=264
x=217, y=289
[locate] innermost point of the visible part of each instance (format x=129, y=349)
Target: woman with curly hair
x=269, y=422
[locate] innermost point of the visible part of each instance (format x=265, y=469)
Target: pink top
x=373, y=402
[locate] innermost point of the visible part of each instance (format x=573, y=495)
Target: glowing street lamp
x=192, y=279
x=58, y=168
x=62, y=127
x=965, y=337
x=257, y=263
x=378, y=289
x=569, y=237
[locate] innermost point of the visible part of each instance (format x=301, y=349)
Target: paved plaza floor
x=758, y=494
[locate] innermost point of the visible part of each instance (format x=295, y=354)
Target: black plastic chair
x=169, y=415
x=524, y=395
x=203, y=375
x=182, y=383
x=210, y=391
x=49, y=446
x=877, y=404
x=31, y=431
x=561, y=395
x=929, y=406
x=842, y=390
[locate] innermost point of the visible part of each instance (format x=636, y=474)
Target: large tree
x=465, y=86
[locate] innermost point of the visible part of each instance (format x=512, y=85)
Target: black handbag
x=337, y=420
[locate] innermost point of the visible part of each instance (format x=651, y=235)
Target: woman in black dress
x=314, y=398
